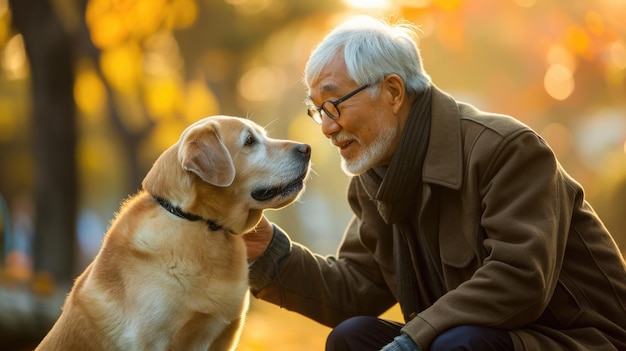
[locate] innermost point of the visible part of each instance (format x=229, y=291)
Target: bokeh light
x=14, y=62
x=121, y=67
x=367, y=4
x=89, y=91
x=262, y=84
x=559, y=82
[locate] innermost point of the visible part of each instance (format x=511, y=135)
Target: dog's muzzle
x=302, y=155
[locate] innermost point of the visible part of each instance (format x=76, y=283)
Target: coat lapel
x=443, y=164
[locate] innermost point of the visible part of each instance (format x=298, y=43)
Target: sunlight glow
x=14, y=61
x=250, y=7
x=5, y=26
x=617, y=52
x=526, y=3
x=594, y=22
x=4, y=7
x=557, y=54
x=449, y=5
x=368, y=4
x=262, y=84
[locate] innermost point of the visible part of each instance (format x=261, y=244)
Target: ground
x=270, y=328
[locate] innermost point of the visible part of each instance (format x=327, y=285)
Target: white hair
x=372, y=49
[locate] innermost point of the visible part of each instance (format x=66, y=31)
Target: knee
x=350, y=328
x=469, y=337
x=356, y=333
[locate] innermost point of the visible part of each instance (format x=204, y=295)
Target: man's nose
x=329, y=126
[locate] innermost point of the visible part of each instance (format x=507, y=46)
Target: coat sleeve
x=328, y=289
x=525, y=211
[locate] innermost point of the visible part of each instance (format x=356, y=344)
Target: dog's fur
x=163, y=282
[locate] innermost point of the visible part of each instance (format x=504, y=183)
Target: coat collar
x=443, y=164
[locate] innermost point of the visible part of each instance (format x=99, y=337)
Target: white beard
x=372, y=154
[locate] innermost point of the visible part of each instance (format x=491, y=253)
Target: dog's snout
x=303, y=150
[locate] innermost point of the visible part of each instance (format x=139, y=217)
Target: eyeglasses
x=331, y=107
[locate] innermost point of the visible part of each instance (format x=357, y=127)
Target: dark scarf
x=397, y=192
x=403, y=177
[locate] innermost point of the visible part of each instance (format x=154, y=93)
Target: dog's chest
x=194, y=331
x=196, y=284
x=193, y=316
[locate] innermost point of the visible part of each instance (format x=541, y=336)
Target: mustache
x=344, y=136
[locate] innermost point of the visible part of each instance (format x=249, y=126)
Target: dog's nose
x=303, y=150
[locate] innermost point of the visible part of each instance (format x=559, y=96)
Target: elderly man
x=465, y=218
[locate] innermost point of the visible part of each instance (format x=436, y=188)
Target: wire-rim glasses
x=331, y=107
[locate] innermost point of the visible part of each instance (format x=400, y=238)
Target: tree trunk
x=50, y=52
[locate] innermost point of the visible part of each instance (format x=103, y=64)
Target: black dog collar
x=177, y=211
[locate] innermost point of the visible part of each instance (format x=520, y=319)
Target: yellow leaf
x=89, y=92
x=107, y=30
x=181, y=14
x=145, y=17
x=579, y=41
x=162, y=97
x=122, y=66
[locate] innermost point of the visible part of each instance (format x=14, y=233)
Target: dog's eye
x=250, y=140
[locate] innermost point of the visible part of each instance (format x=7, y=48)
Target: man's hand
x=401, y=343
x=258, y=238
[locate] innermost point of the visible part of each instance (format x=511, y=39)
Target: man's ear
x=394, y=85
x=202, y=152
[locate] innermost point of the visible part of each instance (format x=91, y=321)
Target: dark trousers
x=371, y=334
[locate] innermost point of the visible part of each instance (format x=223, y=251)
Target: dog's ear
x=202, y=152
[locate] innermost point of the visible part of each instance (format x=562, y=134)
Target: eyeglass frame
x=316, y=112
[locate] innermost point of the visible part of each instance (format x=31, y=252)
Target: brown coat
x=513, y=238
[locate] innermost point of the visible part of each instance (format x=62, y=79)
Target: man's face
x=366, y=132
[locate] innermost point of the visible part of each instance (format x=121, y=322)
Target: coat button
x=412, y=316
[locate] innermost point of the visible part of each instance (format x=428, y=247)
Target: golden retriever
x=172, y=272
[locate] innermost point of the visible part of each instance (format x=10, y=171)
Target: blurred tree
x=130, y=137
x=50, y=52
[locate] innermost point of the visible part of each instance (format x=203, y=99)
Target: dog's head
x=228, y=169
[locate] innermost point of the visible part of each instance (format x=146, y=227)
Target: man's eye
x=250, y=140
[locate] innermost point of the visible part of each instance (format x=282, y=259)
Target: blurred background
x=92, y=91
